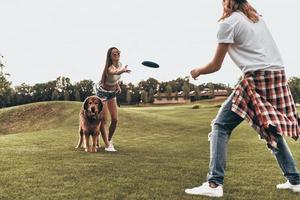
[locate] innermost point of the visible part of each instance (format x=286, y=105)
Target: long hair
x=231, y=6
x=107, y=64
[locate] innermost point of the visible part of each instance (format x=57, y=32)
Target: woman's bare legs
x=103, y=124
x=113, y=110
x=109, y=108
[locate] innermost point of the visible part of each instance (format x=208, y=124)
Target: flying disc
x=150, y=64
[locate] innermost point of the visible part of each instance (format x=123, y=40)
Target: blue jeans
x=222, y=127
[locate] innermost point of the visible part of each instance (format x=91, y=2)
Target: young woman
x=107, y=90
x=262, y=97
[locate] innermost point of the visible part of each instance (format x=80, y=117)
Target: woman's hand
x=125, y=70
x=195, y=73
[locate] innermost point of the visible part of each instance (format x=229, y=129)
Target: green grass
x=161, y=151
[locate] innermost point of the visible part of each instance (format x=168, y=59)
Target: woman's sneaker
x=288, y=186
x=110, y=148
x=206, y=190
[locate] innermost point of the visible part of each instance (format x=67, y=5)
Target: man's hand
x=195, y=73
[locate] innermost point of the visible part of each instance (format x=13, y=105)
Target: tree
x=169, y=91
x=229, y=90
x=85, y=88
x=163, y=87
x=64, y=84
x=186, y=88
x=66, y=96
x=128, y=96
x=24, y=93
x=55, y=95
x=122, y=96
x=49, y=89
x=148, y=84
x=77, y=95
x=212, y=90
x=151, y=95
x=176, y=96
x=40, y=92
x=152, y=84
x=158, y=96
x=144, y=97
x=294, y=84
x=135, y=95
x=5, y=86
x=197, y=91
x=5, y=91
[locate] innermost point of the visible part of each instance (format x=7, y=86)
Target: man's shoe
x=206, y=190
x=288, y=186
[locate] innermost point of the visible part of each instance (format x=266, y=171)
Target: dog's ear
x=101, y=116
x=85, y=103
x=100, y=105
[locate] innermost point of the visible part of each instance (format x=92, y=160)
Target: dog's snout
x=93, y=109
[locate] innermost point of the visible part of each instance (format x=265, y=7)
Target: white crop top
x=113, y=79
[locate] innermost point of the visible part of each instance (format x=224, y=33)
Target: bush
x=195, y=107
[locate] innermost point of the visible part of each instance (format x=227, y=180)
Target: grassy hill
x=161, y=151
x=37, y=116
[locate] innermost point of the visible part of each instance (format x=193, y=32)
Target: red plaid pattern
x=264, y=99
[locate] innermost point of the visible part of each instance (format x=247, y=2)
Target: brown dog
x=90, y=118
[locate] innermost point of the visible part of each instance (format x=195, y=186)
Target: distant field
x=161, y=151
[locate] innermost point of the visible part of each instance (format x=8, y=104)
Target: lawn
x=161, y=151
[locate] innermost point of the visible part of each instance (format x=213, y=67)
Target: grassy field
x=161, y=151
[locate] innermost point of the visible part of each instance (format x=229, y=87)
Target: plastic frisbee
x=150, y=64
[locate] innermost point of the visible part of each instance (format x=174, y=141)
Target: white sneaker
x=110, y=148
x=288, y=186
x=206, y=190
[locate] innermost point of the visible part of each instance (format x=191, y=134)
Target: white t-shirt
x=252, y=46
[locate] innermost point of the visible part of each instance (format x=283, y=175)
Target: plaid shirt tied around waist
x=264, y=99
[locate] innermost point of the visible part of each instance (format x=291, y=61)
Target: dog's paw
x=79, y=148
x=94, y=150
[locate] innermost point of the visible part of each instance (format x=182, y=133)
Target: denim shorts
x=105, y=95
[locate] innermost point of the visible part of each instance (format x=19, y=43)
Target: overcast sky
x=44, y=39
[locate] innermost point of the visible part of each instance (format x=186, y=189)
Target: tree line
x=62, y=89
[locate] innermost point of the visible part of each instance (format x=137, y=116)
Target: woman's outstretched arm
x=215, y=64
x=118, y=71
